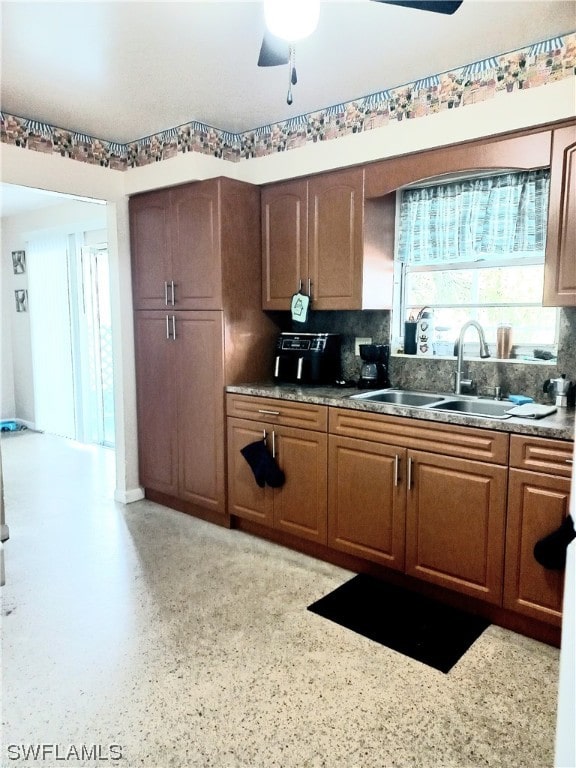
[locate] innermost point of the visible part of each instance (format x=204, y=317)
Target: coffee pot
x=374, y=371
x=561, y=390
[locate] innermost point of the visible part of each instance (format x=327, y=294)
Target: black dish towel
x=263, y=464
x=551, y=550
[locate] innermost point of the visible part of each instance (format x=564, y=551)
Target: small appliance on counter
x=307, y=358
x=561, y=390
x=374, y=371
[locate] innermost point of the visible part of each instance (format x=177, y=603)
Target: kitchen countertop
x=559, y=425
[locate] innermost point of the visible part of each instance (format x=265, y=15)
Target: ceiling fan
x=277, y=50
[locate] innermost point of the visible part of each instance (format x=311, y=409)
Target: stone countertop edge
x=559, y=425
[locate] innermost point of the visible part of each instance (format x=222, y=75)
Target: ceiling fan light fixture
x=291, y=19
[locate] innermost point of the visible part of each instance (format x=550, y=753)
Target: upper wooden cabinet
x=317, y=237
x=560, y=270
x=185, y=249
x=521, y=152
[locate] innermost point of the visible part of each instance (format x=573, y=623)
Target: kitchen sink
x=448, y=403
x=491, y=409
x=398, y=397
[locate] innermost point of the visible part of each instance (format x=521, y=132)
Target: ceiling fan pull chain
x=292, y=77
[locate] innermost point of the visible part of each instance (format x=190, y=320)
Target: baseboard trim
x=129, y=496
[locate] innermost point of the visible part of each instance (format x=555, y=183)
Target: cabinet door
x=245, y=497
x=560, y=268
x=537, y=505
x=366, y=500
x=195, y=246
x=455, y=519
x=199, y=378
x=335, y=215
x=156, y=403
x=150, y=250
x=284, y=243
x=300, y=504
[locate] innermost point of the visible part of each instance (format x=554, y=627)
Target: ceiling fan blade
x=274, y=51
x=435, y=6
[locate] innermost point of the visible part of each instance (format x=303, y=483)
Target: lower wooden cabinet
x=366, y=500
x=455, y=524
x=538, y=502
x=458, y=507
x=299, y=506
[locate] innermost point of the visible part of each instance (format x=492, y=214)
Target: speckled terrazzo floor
x=185, y=644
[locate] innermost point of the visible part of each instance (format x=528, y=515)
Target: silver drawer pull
x=569, y=461
x=269, y=413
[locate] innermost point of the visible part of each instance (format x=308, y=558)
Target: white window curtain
x=482, y=219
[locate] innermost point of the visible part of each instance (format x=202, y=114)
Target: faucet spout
x=460, y=382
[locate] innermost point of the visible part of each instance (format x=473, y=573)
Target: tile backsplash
x=436, y=374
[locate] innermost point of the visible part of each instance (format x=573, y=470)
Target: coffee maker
x=374, y=371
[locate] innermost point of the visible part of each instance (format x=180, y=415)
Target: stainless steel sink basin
x=448, y=403
x=398, y=397
x=488, y=408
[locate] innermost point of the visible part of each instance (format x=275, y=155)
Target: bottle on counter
x=425, y=333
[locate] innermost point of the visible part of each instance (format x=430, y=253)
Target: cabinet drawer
x=461, y=442
x=287, y=413
x=541, y=454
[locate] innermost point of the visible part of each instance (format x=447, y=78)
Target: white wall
x=528, y=108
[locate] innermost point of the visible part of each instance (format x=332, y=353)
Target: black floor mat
x=416, y=626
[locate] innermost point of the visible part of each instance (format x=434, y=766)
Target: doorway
x=71, y=337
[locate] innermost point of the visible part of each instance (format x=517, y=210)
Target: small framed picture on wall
x=19, y=262
x=21, y=300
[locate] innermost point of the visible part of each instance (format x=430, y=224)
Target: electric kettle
x=561, y=390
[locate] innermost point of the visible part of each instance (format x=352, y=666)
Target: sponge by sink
x=520, y=399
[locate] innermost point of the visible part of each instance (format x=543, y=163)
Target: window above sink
x=473, y=248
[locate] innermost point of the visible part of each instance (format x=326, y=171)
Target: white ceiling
x=124, y=70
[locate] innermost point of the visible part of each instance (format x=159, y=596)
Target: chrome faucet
x=459, y=382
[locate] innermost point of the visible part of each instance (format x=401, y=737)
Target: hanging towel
x=263, y=465
x=299, y=306
x=551, y=550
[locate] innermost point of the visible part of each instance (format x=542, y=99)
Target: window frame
x=401, y=310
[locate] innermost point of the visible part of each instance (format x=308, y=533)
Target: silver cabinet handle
x=165, y=293
x=264, y=436
x=409, y=474
x=277, y=366
x=569, y=461
x=273, y=444
x=172, y=292
x=270, y=413
x=396, y=468
x=167, y=327
x=173, y=328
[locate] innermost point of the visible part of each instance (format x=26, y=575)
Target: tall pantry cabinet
x=196, y=274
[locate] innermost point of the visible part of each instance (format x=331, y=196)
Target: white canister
x=425, y=335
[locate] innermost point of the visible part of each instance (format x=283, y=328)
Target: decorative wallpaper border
x=531, y=67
